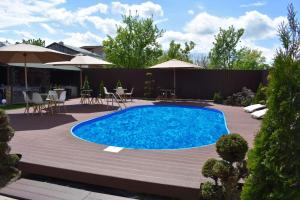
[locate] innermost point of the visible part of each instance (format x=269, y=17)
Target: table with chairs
x=49, y=102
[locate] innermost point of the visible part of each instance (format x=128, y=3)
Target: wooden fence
x=190, y=83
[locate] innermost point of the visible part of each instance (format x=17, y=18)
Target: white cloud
x=48, y=28
x=256, y=24
x=146, y=9
x=24, y=34
x=202, y=28
x=107, y=25
x=255, y=4
x=81, y=39
x=191, y=12
x=159, y=21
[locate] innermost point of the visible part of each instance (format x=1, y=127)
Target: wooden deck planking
x=55, y=152
x=37, y=190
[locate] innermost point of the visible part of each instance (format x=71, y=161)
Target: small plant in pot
x=226, y=173
x=86, y=84
x=218, y=98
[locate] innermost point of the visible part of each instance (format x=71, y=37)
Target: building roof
x=76, y=49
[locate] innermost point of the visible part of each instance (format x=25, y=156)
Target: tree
x=232, y=149
x=247, y=58
x=175, y=51
x=274, y=162
x=201, y=60
x=222, y=55
x=8, y=162
x=135, y=45
x=37, y=42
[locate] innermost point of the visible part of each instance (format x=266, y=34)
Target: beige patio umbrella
x=81, y=61
x=175, y=64
x=26, y=53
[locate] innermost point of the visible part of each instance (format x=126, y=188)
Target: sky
x=88, y=22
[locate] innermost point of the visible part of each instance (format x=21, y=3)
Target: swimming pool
x=155, y=127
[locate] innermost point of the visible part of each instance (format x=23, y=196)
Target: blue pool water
x=155, y=127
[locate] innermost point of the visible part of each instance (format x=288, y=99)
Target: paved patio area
x=49, y=149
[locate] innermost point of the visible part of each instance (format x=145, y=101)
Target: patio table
x=121, y=95
x=166, y=93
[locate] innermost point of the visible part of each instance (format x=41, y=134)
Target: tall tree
x=274, y=162
x=176, y=51
x=223, y=53
x=135, y=45
x=247, y=58
x=37, y=42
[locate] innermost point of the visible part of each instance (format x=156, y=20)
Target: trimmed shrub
x=232, y=147
x=86, y=84
x=260, y=95
x=8, y=162
x=274, y=162
x=243, y=98
x=209, y=191
x=149, y=85
x=218, y=98
x=207, y=169
x=228, y=171
x=119, y=84
x=101, y=90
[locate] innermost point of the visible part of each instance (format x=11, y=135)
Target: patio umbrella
x=175, y=64
x=81, y=61
x=24, y=53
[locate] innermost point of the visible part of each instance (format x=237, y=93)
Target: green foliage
x=209, y=191
x=149, y=85
x=207, y=169
x=101, y=89
x=86, y=84
x=232, y=149
x=119, y=84
x=249, y=59
x=37, y=42
x=218, y=98
x=223, y=53
x=274, y=162
x=135, y=45
x=175, y=51
x=260, y=95
x=8, y=162
x=243, y=98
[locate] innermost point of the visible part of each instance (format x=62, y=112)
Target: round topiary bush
x=222, y=169
x=209, y=191
x=232, y=147
x=207, y=169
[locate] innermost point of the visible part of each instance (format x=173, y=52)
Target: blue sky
x=88, y=22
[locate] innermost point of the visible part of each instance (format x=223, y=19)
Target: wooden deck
x=49, y=149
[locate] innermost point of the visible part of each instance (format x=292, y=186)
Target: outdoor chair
x=254, y=107
x=96, y=97
x=38, y=103
x=28, y=101
x=62, y=99
x=108, y=95
x=129, y=94
x=259, y=114
x=52, y=99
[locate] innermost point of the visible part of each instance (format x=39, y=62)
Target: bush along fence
x=190, y=83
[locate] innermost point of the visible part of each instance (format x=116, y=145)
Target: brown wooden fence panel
x=190, y=83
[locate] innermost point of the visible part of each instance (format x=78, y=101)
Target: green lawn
x=12, y=106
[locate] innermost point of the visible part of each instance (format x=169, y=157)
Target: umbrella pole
x=174, y=71
x=80, y=76
x=26, y=83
